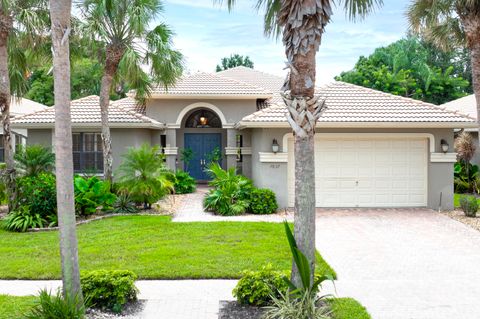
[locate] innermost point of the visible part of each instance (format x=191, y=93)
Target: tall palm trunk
x=6, y=25
x=113, y=56
x=475, y=61
x=60, y=17
x=303, y=25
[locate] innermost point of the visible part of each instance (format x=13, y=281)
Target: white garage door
x=367, y=172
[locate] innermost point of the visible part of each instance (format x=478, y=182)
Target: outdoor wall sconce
x=444, y=146
x=275, y=146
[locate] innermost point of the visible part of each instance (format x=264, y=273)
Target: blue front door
x=202, y=145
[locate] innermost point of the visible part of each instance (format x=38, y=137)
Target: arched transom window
x=203, y=119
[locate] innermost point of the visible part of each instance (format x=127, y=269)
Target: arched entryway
x=203, y=135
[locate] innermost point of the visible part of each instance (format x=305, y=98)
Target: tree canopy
x=412, y=67
x=234, y=60
x=85, y=80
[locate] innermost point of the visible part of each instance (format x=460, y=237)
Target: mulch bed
x=234, y=310
x=458, y=215
x=132, y=310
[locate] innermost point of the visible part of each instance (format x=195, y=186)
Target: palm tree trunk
x=475, y=61
x=303, y=25
x=113, y=57
x=5, y=98
x=60, y=17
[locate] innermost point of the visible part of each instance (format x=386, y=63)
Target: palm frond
x=359, y=9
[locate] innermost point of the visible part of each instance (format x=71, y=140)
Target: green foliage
x=304, y=306
x=303, y=266
x=231, y=193
x=39, y=193
x=144, y=176
x=23, y=219
x=91, y=194
x=234, y=60
x=186, y=156
x=300, y=302
x=55, y=307
x=412, y=68
x=33, y=160
x=124, y=205
x=263, y=201
x=469, y=205
x=113, y=31
x=86, y=75
x=109, y=289
x=184, y=183
x=214, y=156
x=257, y=287
x=465, y=177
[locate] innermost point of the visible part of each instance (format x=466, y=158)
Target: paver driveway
x=403, y=264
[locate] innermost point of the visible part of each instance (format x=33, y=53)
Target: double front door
x=203, y=146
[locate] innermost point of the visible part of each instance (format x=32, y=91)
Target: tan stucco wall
x=167, y=111
x=122, y=139
x=274, y=175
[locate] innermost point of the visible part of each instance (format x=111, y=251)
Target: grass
x=456, y=199
x=15, y=307
x=342, y=308
x=348, y=308
x=154, y=248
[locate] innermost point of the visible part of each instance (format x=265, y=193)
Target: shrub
x=184, y=183
x=124, y=205
x=469, y=205
x=465, y=175
x=39, y=193
x=33, y=160
x=231, y=192
x=263, y=201
x=92, y=193
x=257, y=287
x=23, y=219
x=54, y=307
x=109, y=289
x=144, y=176
x=305, y=306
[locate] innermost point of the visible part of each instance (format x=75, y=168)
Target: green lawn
x=342, y=308
x=15, y=307
x=154, y=248
x=348, y=308
x=456, y=199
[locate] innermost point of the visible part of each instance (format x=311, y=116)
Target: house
x=372, y=149
x=468, y=106
x=19, y=107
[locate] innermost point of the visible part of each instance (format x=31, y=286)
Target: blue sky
x=205, y=33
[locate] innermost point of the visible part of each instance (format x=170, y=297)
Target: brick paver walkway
x=403, y=264
x=191, y=210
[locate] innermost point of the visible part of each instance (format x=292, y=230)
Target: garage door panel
x=389, y=172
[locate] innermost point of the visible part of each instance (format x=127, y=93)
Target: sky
x=206, y=32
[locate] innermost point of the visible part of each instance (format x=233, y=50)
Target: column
x=171, y=149
x=231, y=149
x=246, y=152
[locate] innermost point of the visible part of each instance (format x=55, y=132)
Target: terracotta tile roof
x=268, y=81
x=86, y=111
x=129, y=103
x=24, y=106
x=351, y=103
x=209, y=84
x=466, y=105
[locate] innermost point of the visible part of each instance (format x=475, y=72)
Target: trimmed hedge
x=263, y=201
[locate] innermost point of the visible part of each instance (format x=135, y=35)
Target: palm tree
x=451, y=24
x=19, y=22
x=60, y=16
x=34, y=159
x=119, y=30
x=302, y=23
